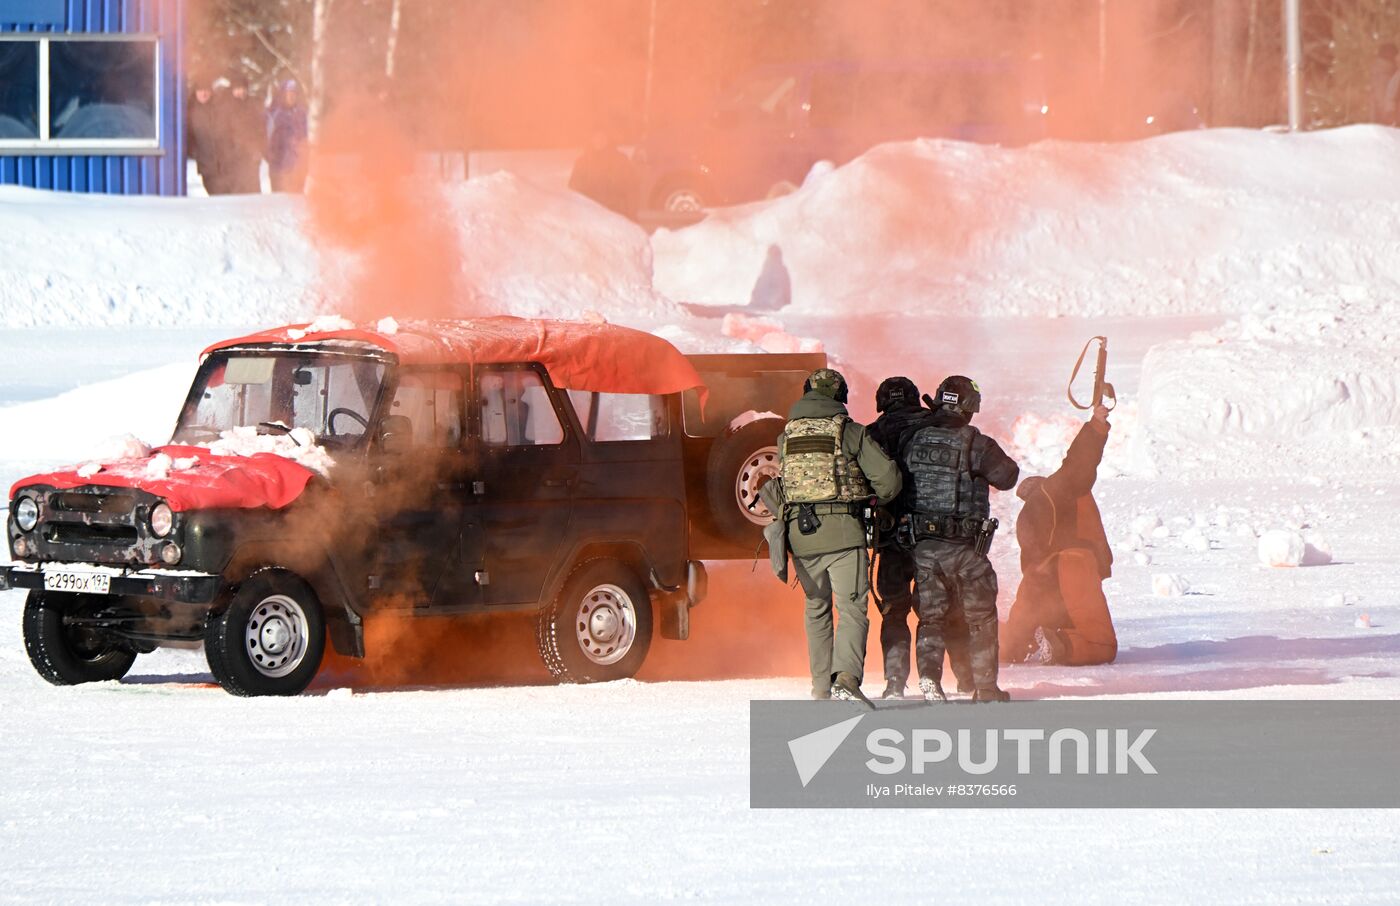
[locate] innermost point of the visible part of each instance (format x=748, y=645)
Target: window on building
x=19, y=90
x=608, y=417
x=79, y=92
x=102, y=89
x=516, y=411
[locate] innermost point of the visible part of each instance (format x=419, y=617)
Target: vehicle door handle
x=558, y=482
x=452, y=486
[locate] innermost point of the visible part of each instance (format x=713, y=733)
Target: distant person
x=245, y=133
x=1385, y=86
x=286, y=139
x=606, y=175
x=1060, y=615
x=773, y=288
x=204, y=141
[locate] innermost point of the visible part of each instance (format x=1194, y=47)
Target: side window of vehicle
x=516, y=411
x=610, y=417
x=432, y=402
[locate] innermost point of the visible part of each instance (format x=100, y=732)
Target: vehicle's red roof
x=578, y=355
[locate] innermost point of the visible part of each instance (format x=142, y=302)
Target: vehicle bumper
x=183, y=587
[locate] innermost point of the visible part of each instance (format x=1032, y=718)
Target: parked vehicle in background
x=778, y=121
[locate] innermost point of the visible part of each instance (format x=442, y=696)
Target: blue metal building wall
x=146, y=174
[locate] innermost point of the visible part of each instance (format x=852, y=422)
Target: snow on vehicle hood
x=241, y=470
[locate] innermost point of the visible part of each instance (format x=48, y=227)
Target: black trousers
x=956, y=591
x=893, y=582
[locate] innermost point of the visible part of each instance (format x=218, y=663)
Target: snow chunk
x=1340, y=599
x=1147, y=523
x=299, y=446
x=329, y=324
x=767, y=333
x=185, y=463
x=387, y=326
x=1169, y=585
x=1142, y=558
x=1317, y=550
x=1281, y=547
x=1195, y=540
x=87, y=470
x=125, y=446
x=158, y=467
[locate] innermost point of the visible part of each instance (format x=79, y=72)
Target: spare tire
x=741, y=463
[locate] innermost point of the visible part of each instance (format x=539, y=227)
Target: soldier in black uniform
x=897, y=401
x=950, y=466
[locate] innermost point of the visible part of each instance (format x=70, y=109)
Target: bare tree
x=320, y=51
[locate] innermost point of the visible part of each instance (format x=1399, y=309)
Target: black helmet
x=895, y=392
x=828, y=382
x=960, y=394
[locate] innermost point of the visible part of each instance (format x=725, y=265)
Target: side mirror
x=396, y=434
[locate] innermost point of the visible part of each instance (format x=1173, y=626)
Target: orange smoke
x=367, y=203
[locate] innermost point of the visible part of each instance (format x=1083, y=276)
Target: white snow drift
x=1210, y=221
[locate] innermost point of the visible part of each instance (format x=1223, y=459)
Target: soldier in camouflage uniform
x=950, y=466
x=830, y=469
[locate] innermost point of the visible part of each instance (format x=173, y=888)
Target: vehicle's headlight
x=162, y=520
x=26, y=514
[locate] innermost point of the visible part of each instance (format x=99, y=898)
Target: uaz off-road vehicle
x=579, y=471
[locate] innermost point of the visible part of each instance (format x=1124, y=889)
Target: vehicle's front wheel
x=270, y=638
x=599, y=626
x=67, y=653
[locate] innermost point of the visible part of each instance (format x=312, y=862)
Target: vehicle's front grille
x=83, y=533
x=86, y=502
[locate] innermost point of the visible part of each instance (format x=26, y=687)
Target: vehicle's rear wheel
x=682, y=197
x=741, y=463
x=599, y=626
x=66, y=654
x=270, y=638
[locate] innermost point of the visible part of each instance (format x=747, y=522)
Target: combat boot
x=846, y=688
x=932, y=690
x=983, y=653
x=893, y=689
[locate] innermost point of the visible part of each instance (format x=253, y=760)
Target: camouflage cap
x=827, y=382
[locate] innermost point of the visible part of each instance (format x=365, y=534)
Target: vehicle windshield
x=332, y=396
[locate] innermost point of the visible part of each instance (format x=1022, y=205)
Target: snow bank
x=71, y=260
x=105, y=421
x=1306, y=388
x=1209, y=221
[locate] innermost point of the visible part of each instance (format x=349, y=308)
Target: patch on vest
x=950, y=397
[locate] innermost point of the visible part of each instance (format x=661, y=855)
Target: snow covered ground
x=475, y=780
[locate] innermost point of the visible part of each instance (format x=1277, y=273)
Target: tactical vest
x=938, y=462
x=816, y=468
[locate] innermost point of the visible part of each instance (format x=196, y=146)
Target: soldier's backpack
x=815, y=468
x=938, y=461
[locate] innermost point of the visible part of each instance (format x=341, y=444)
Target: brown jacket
x=1060, y=512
